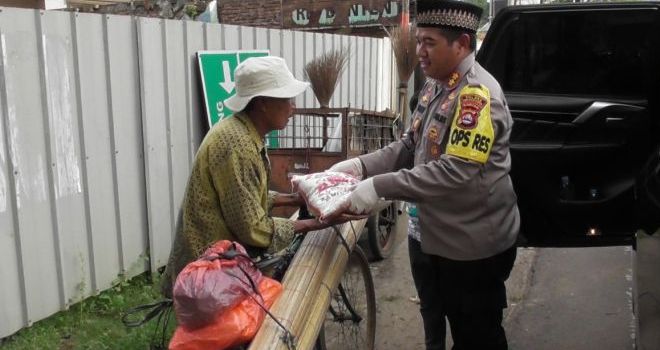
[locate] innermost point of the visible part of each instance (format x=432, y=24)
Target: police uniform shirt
x=454, y=162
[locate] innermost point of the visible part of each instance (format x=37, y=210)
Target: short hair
x=452, y=34
x=250, y=105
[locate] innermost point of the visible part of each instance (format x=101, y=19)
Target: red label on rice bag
x=324, y=192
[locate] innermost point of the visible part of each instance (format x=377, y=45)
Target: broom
x=404, y=45
x=323, y=73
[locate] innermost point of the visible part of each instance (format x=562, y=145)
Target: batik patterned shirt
x=227, y=196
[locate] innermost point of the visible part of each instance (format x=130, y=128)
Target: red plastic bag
x=231, y=328
x=324, y=192
x=216, y=282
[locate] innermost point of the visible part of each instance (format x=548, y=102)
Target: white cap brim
x=294, y=88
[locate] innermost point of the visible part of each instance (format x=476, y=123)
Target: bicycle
x=350, y=321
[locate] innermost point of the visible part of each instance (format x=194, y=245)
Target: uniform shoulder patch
x=471, y=133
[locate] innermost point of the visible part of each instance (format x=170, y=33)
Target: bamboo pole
x=308, y=284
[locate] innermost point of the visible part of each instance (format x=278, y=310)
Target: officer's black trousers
x=470, y=294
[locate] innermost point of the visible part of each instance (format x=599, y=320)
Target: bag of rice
x=324, y=192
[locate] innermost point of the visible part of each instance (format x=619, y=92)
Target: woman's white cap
x=263, y=76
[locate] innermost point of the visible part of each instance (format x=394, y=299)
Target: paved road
x=399, y=325
x=579, y=298
x=560, y=299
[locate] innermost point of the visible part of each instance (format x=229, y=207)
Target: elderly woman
x=227, y=194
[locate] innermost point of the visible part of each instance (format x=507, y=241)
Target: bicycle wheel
x=381, y=231
x=350, y=322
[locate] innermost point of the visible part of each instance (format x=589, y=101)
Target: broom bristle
x=323, y=73
x=404, y=45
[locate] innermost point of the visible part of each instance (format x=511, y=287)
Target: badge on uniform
x=416, y=123
x=435, y=151
x=444, y=106
x=427, y=93
x=471, y=106
x=471, y=135
x=453, y=80
x=433, y=134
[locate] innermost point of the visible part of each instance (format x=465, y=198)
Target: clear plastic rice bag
x=324, y=192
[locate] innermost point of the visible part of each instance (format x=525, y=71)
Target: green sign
x=217, y=73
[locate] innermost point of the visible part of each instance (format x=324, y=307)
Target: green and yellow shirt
x=227, y=196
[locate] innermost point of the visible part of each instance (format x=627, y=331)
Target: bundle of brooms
x=323, y=73
x=404, y=45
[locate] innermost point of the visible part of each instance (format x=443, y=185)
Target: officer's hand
x=364, y=198
x=351, y=166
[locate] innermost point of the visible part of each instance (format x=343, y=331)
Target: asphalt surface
x=399, y=325
x=579, y=298
x=559, y=299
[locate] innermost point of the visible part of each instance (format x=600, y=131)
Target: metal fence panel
x=100, y=120
x=26, y=121
x=155, y=121
x=275, y=42
x=193, y=42
x=177, y=115
x=95, y=139
x=127, y=152
x=228, y=35
x=12, y=294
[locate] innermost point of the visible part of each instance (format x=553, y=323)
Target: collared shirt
x=466, y=203
x=227, y=195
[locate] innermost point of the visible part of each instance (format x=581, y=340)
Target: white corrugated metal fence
x=100, y=118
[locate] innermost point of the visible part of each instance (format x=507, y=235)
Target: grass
x=95, y=323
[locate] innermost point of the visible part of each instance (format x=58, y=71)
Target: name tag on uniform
x=439, y=117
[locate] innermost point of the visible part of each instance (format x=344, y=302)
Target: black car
x=583, y=85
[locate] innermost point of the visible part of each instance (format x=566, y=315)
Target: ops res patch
x=471, y=133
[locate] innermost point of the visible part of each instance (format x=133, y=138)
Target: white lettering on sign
x=300, y=17
x=220, y=109
x=327, y=17
x=391, y=10
x=359, y=14
x=356, y=14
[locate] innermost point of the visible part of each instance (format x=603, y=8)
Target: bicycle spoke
x=350, y=320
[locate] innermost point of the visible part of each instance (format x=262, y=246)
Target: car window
x=606, y=53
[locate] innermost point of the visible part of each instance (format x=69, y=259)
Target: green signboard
x=217, y=75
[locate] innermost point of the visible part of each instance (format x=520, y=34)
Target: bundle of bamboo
x=308, y=284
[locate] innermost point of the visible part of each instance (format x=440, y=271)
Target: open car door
x=583, y=89
x=648, y=195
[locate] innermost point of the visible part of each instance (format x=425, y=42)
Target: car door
x=648, y=195
x=582, y=84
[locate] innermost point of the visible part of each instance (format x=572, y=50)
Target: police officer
x=454, y=162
